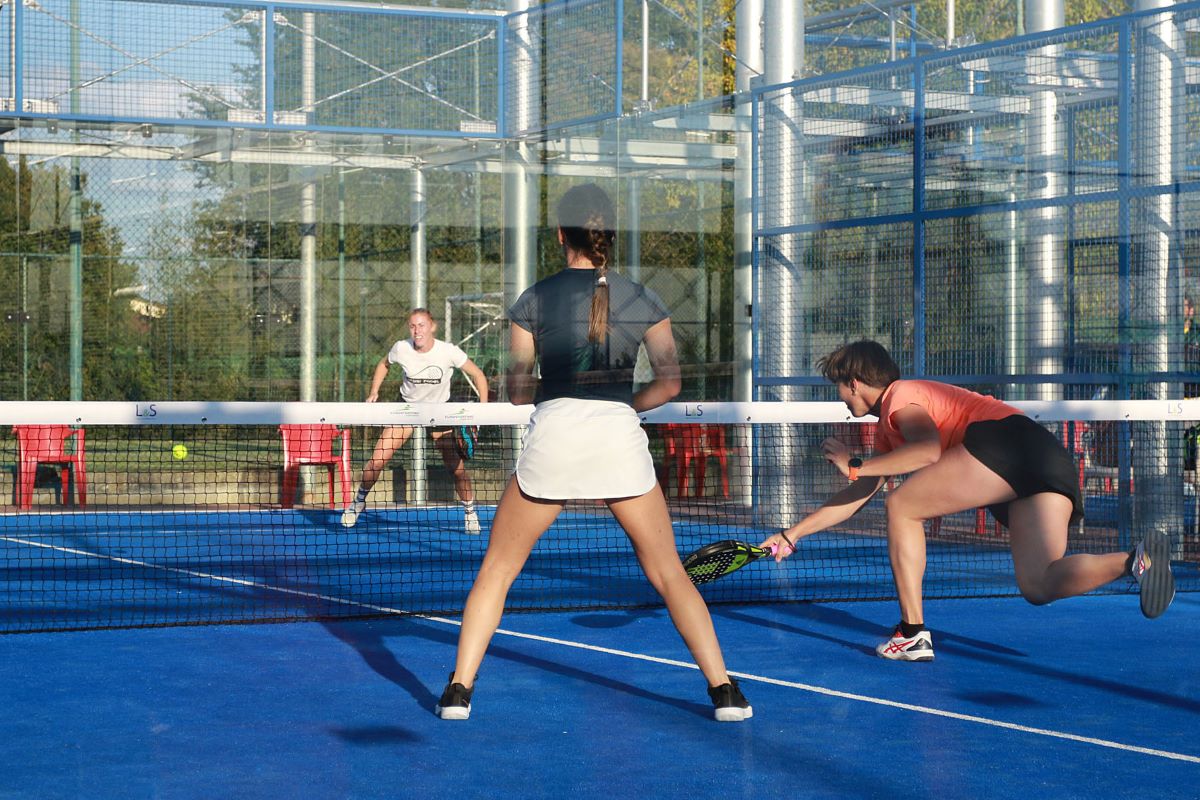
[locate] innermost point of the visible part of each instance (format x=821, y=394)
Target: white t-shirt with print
x=426, y=375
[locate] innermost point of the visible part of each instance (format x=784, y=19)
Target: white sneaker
x=471, y=523
x=350, y=515
x=904, y=648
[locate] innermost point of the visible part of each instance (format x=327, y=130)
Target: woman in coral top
x=965, y=450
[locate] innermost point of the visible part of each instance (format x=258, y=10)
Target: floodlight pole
x=749, y=66
x=417, y=256
x=1159, y=143
x=75, y=213
x=308, y=223
x=749, y=22
x=632, y=257
x=419, y=278
x=1045, y=144
x=700, y=287
x=341, y=336
x=782, y=145
x=1014, y=354
x=24, y=328
x=520, y=189
x=781, y=323
x=645, y=94
x=632, y=260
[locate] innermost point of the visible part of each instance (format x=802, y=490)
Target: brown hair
x=588, y=223
x=864, y=361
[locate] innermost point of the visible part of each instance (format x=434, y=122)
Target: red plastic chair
x=47, y=444
x=312, y=445
x=686, y=444
x=981, y=528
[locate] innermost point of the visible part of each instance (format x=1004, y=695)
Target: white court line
x=191, y=573
x=192, y=511
x=879, y=701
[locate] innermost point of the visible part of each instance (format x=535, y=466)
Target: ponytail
x=598, y=320
x=587, y=220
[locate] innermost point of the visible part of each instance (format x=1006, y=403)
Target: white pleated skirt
x=584, y=450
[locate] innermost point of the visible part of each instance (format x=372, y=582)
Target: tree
x=35, y=236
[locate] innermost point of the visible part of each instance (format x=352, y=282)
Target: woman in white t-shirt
x=428, y=365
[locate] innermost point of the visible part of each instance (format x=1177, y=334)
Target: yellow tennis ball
x=179, y=451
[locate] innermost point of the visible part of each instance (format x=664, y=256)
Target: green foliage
x=35, y=269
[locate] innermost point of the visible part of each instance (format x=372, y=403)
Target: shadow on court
x=614, y=619
x=966, y=647
x=376, y=643
x=871, y=630
x=370, y=643
x=377, y=735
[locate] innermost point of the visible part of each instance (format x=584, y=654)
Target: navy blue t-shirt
x=556, y=311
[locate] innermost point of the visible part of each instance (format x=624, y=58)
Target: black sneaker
x=456, y=701
x=1151, y=568
x=728, y=703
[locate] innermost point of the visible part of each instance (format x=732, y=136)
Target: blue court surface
x=1083, y=698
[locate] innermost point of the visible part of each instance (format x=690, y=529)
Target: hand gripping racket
x=718, y=559
x=466, y=439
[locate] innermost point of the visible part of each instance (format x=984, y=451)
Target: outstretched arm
x=477, y=378
x=922, y=447
x=837, y=509
x=381, y=371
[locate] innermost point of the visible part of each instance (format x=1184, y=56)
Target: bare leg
x=956, y=482
x=444, y=441
x=1038, y=532
x=520, y=521
x=648, y=525
x=390, y=440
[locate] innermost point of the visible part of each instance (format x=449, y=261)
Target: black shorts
x=1028, y=457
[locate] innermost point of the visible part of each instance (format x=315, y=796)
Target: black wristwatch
x=855, y=463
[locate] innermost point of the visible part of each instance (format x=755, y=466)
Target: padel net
x=130, y=514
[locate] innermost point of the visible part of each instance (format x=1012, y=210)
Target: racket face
x=719, y=559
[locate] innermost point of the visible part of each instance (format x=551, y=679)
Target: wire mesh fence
x=1016, y=217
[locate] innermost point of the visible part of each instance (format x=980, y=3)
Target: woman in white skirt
x=583, y=326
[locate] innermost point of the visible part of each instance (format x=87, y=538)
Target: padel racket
x=718, y=559
x=466, y=438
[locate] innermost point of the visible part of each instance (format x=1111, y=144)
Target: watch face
x=855, y=462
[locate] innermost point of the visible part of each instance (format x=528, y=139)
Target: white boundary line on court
x=134, y=510
x=861, y=698
x=937, y=712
